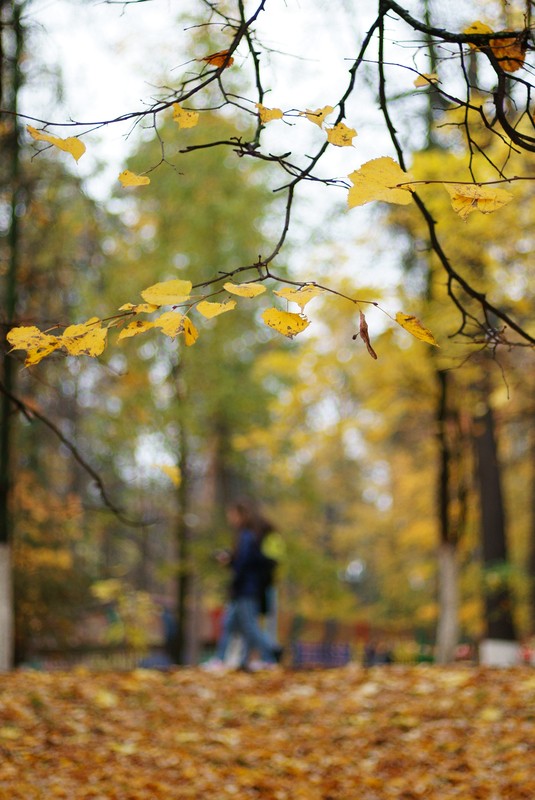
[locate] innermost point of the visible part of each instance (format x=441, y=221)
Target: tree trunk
x=448, y=599
x=497, y=592
x=11, y=45
x=448, y=593
x=180, y=644
x=531, y=556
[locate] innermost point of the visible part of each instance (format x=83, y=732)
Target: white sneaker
x=214, y=665
x=259, y=666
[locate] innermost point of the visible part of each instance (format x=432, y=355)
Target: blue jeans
x=241, y=616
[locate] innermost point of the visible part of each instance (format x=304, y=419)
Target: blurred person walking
x=251, y=572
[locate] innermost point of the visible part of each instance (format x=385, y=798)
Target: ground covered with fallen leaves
x=341, y=734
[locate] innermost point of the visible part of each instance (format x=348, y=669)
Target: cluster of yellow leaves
x=396, y=732
x=383, y=179
x=341, y=135
x=90, y=338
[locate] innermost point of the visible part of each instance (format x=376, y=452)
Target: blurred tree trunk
x=11, y=47
x=179, y=645
x=531, y=556
x=448, y=573
x=447, y=635
x=497, y=592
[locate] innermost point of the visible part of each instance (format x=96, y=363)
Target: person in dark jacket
x=247, y=588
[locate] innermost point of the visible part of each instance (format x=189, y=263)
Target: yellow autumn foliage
x=167, y=293
x=285, y=322
x=466, y=198
x=71, y=144
x=380, y=179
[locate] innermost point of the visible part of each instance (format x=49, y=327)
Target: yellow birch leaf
x=285, y=322
x=135, y=327
x=210, y=310
x=71, y=145
x=171, y=323
x=37, y=344
x=184, y=118
x=268, y=114
x=468, y=197
x=26, y=336
x=477, y=27
x=341, y=136
x=36, y=354
x=414, y=326
x=172, y=471
x=128, y=178
x=379, y=179
x=317, y=116
x=425, y=79
x=86, y=339
x=191, y=334
x=244, y=289
x=167, y=293
x=140, y=308
x=300, y=296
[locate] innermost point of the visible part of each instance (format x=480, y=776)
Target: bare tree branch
x=30, y=412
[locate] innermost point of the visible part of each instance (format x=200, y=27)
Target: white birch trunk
x=448, y=598
x=6, y=610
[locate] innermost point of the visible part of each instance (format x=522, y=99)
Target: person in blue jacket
x=248, y=566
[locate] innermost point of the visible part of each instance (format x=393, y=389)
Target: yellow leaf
x=133, y=328
x=210, y=310
x=26, y=336
x=341, y=136
x=244, y=289
x=268, y=114
x=425, y=79
x=128, y=178
x=414, y=326
x=147, y=308
x=300, y=296
x=172, y=323
x=71, y=145
x=380, y=179
x=183, y=118
x=317, y=116
x=37, y=344
x=191, y=334
x=468, y=197
x=173, y=473
x=285, y=322
x=477, y=27
x=86, y=339
x=167, y=293
x=219, y=59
